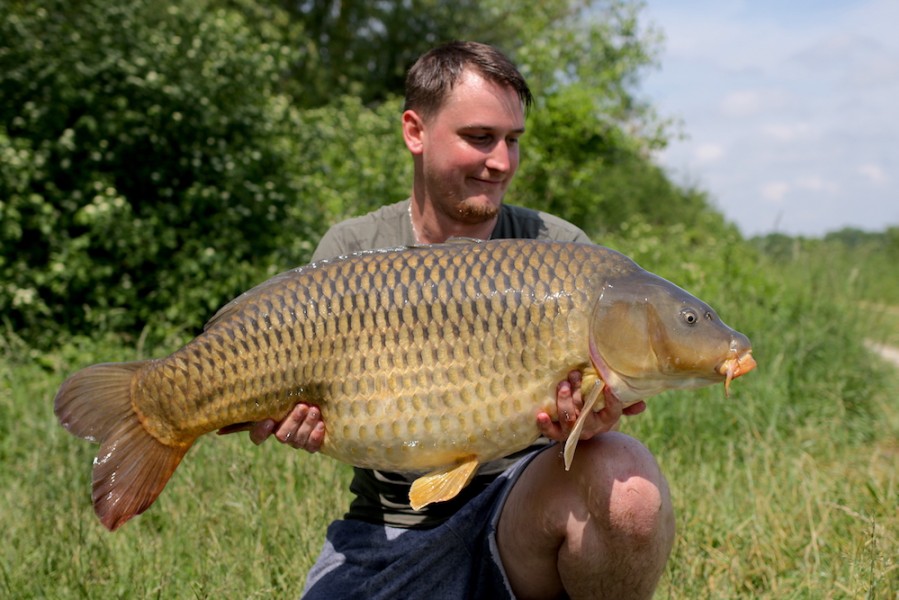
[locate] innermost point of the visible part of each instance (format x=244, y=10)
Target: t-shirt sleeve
x=389, y=226
x=332, y=244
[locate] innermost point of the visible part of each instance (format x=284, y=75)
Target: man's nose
x=502, y=157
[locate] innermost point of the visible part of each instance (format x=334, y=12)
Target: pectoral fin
x=442, y=484
x=236, y=428
x=594, y=403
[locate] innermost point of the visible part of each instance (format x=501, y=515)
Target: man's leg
x=604, y=529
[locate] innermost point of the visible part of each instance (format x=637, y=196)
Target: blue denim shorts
x=455, y=560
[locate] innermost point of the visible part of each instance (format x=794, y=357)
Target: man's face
x=469, y=149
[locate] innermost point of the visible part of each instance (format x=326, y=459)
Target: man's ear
x=413, y=131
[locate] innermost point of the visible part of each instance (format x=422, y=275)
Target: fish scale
x=368, y=331
x=423, y=359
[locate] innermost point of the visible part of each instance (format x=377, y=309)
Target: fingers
x=602, y=421
x=549, y=428
x=302, y=428
x=635, y=409
x=570, y=402
x=607, y=419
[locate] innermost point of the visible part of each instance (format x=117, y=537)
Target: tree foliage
x=145, y=148
x=363, y=49
x=157, y=159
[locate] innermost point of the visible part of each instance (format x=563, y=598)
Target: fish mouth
x=735, y=367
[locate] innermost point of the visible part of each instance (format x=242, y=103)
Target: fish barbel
x=427, y=359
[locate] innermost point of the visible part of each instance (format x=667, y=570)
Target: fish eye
x=690, y=316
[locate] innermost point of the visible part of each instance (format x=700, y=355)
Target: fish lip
x=736, y=366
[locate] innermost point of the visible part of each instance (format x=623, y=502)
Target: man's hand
x=570, y=401
x=302, y=428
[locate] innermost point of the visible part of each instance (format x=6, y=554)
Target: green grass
x=884, y=323
x=790, y=487
x=772, y=507
x=786, y=489
x=236, y=520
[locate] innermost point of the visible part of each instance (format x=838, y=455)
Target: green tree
x=146, y=161
x=363, y=49
x=158, y=158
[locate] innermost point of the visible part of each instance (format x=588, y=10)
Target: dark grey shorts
x=456, y=560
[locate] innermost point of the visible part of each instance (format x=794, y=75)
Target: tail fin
x=132, y=467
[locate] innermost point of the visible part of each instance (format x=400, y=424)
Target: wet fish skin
x=433, y=358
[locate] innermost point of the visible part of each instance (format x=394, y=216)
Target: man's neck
x=432, y=227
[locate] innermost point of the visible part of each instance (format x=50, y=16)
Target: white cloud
x=708, y=152
x=747, y=103
x=789, y=132
x=774, y=191
x=873, y=173
x=789, y=109
x=817, y=184
x=741, y=104
x=853, y=59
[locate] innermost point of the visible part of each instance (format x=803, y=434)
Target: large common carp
x=428, y=359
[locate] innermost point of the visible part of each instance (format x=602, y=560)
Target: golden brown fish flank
x=433, y=358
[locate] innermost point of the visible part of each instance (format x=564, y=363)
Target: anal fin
x=442, y=484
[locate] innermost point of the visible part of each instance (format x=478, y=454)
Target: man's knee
x=624, y=489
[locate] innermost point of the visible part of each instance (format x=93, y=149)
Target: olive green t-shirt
x=382, y=497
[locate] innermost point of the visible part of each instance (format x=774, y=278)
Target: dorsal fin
x=238, y=302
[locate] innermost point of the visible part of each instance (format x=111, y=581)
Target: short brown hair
x=435, y=73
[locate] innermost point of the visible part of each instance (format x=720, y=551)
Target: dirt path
x=888, y=353
x=885, y=351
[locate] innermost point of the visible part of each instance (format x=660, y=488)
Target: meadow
x=788, y=488
x=153, y=168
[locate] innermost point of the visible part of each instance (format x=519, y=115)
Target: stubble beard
x=463, y=205
x=474, y=213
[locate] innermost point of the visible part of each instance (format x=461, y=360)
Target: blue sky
x=789, y=110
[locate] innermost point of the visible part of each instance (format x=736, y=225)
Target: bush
x=144, y=147
x=156, y=161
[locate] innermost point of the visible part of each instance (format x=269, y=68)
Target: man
x=524, y=526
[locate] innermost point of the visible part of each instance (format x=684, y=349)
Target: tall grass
x=789, y=488
x=786, y=489
x=235, y=520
